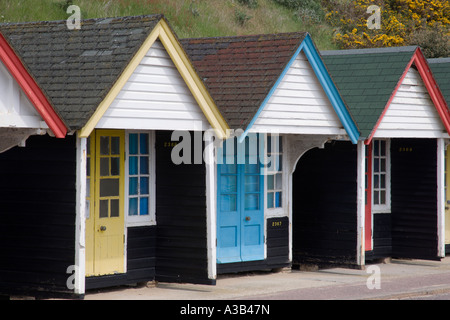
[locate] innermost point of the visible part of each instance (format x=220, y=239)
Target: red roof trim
x=435, y=94
x=31, y=89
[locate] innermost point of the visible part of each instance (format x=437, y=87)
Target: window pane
x=143, y=206
x=115, y=166
x=280, y=163
x=376, y=148
x=88, y=167
x=278, y=202
x=228, y=202
x=144, y=186
x=376, y=181
x=133, y=143
x=376, y=165
x=383, y=165
x=251, y=168
x=104, y=167
x=251, y=201
x=132, y=207
x=383, y=181
x=133, y=165
x=133, y=186
x=109, y=187
x=115, y=145
x=228, y=168
x=228, y=184
x=104, y=145
x=104, y=208
x=251, y=183
x=143, y=143
x=270, y=182
x=383, y=147
x=114, y=207
x=376, y=197
x=279, y=180
x=144, y=165
x=382, y=197
x=270, y=198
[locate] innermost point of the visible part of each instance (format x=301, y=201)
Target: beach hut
x=441, y=72
x=108, y=204
x=279, y=101
x=404, y=121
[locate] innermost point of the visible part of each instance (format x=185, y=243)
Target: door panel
x=105, y=226
x=240, y=214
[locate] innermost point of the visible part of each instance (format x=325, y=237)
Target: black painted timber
x=325, y=206
x=414, y=198
x=181, y=243
x=37, y=215
x=277, y=250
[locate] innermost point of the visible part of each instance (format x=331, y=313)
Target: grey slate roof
x=77, y=68
x=239, y=71
x=366, y=79
x=441, y=72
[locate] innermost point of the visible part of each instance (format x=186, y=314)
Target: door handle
x=103, y=228
x=247, y=218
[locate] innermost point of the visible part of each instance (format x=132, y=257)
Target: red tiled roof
x=240, y=71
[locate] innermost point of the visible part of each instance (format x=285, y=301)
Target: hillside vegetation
x=333, y=24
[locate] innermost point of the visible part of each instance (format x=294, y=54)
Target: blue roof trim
x=327, y=84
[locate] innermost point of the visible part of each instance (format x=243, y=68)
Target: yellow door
x=105, y=222
x=447, y=196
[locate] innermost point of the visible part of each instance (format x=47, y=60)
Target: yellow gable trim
x=182, y=63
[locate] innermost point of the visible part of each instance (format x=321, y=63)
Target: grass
x=189, y=18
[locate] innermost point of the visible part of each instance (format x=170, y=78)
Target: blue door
x=240, y=214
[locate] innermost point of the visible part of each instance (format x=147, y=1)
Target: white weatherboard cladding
x=16, y=111
x=155, y=98
x=299, y=104
x=411, y=112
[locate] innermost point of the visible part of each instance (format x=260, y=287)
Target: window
x=140, y=178
x=381, y=176
x=274, y=171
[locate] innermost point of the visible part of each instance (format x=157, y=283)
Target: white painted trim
x=361, y=203
x=283, y=210
x=441, y=196
x=211, y=207
x=149, y=220
x=386, y=208
x=80, y=220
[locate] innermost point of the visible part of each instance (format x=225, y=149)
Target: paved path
x=400, y=279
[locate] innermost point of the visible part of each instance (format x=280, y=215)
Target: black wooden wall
x=181, y=254
x=414, y=198
x=37, y=215
x=325, y=205
x=277, y=231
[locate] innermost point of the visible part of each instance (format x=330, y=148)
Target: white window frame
x=150, y=219
x=382, y=208
x=280, y=211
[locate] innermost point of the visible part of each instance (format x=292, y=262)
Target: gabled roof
x=369, y=78
x=26, y=82
x=242, y=72
x=81, y=71
x=441, y=71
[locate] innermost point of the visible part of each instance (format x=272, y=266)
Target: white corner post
x=441, y=196
x=80, y=225
x=211, y=211
x=361, y=201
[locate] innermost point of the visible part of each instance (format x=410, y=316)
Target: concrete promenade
x=398, y=279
